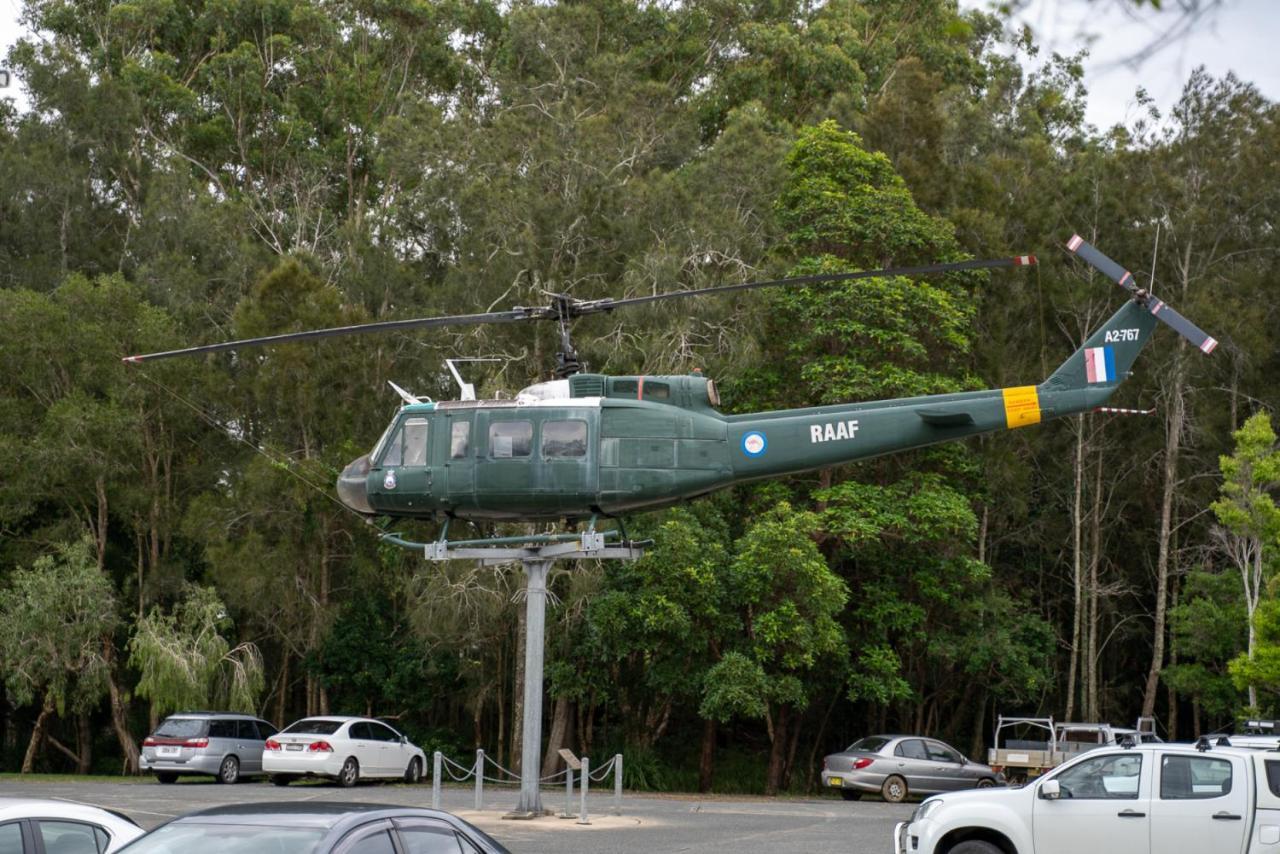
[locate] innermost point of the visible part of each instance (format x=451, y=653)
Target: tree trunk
x=84, y=741
x=979, y=724
x=707, y=756
x=120, y=721
x=282, y=700
x=556, y=740
x=517, y=696
x=1093, y=710
x=1173, y=443
x=794, y=738
x=37, y=734
x=777, y=751
x=1077, y=563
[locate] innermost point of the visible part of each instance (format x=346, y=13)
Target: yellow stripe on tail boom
x=1021, y=406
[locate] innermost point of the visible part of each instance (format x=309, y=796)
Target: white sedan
x=345, y=749
x=64, y=827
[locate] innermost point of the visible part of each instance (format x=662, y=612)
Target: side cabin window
x=656, y=391
x=564, y=439
x=508, y=439
x=641, y=389
x=459, y=439
x=415, y=442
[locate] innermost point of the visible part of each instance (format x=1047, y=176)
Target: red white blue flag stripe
x=1099, y=364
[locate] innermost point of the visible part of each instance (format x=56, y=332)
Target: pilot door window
x=415, y=442
x=509, y=439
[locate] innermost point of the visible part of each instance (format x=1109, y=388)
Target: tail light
x=824, y=763
x=271, y=744
x=862, y=763
x=196, y=742
x=148, y=742
x=320, y=747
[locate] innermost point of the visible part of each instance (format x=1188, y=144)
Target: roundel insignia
x=754, y=443
x=389, y=482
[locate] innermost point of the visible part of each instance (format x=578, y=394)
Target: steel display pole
x=531, y=728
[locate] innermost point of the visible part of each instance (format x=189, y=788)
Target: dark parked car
x=899, y=765
x=312, y=827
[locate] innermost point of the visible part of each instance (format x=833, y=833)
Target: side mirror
x=404, y=739
x=1050, y=790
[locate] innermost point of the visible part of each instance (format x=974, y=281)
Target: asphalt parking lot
x=648, y=824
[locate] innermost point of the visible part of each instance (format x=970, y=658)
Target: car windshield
x=182, y=728
x=314, y=727
x=870, y=744
x=190, y=838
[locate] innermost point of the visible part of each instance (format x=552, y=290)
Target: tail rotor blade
x=1122, y=277
x=1104, y=265
x=1182, y=326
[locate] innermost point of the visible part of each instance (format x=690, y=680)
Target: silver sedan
x=901, y=765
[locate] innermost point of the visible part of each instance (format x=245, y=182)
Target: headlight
x=926, y=809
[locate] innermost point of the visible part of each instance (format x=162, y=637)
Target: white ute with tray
x=1145, y=799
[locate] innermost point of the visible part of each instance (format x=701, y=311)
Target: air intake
x=586, y=385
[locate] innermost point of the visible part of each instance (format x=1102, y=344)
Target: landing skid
x=599, y=545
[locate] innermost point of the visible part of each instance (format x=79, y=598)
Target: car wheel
x=894, y=789
x=974, y=846
x=281, y=779
x=413, y=773
x=167, y=778
x=986, y=783
x=229, y=770
x=350, y=773
x=851, y=794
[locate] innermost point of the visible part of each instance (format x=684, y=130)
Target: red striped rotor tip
x=1024, y=260
x=132, y=360
x=1074, y=243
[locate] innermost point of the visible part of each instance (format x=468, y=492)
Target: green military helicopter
x=587, y=445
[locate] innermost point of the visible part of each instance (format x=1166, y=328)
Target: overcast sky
x=1240, y=36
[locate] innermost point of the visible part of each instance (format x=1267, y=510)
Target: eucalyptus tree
x=185, y=661
x=57, y=620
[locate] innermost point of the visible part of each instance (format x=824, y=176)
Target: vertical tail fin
x=1107, y=356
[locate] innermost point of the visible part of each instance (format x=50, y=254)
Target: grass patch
x=72, y=778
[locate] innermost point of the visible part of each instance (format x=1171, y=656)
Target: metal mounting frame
x=535, y=553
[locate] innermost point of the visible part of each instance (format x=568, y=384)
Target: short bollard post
x=479, y=779
x=435, y=779
x=617, y=784
x=568, y=792
x=586, y=782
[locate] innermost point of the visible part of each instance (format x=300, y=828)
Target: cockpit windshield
x=376, y=453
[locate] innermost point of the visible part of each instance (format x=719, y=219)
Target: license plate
x=838, y=782
x=168, y=751
x=293, y=747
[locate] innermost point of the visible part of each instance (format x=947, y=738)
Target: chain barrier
x=442, y=766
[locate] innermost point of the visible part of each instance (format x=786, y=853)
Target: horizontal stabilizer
x=944, y=417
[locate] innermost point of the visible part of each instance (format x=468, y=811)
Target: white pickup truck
x=1149, y=799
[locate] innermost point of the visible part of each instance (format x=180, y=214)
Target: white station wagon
x=345, y=749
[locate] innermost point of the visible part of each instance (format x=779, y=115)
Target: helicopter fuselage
x=602, y=445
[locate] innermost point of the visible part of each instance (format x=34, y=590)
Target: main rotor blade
x=1101, y=263
x=610, y=304
x=356, y=329
x=1181, y=325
